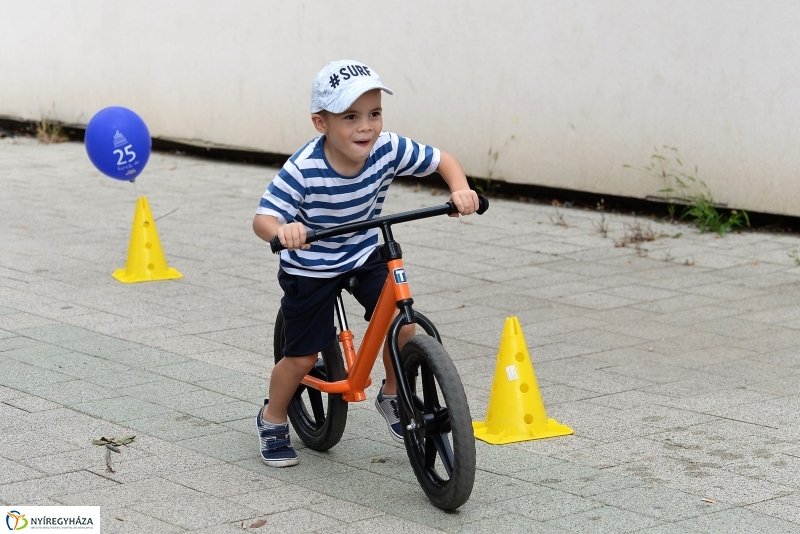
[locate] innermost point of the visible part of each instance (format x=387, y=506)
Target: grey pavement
x=676, y=362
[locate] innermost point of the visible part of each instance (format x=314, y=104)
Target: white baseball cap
x=340, y=83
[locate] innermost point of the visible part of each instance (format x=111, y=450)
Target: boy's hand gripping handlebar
x=445, y=209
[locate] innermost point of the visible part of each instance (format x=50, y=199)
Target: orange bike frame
x=360, y=364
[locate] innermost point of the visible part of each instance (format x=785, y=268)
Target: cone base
x=551, y=429
x=123, y=276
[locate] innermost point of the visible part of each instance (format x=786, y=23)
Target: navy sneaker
x=276, y=448
x=387, y=406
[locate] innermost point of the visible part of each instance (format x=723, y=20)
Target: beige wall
x=564, y=92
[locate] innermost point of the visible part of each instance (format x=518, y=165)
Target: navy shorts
x=308, y=304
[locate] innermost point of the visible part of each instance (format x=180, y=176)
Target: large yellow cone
x=146, y=261
x=516, y=411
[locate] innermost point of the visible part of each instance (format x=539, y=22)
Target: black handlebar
x=444, y=209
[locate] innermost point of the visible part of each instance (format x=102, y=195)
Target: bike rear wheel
x=318, y=418
x=440, y=442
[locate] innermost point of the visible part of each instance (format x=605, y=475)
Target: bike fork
x=407, y=316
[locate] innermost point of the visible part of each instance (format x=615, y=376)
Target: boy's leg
x=307, y=308
x=285, y=378
x=271, y=424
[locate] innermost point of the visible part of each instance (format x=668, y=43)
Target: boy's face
x=350, y=136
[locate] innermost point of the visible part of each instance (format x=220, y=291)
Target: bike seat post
x=345, y=335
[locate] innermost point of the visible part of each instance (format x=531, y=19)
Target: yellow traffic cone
x=516, y=411
x=146, y=261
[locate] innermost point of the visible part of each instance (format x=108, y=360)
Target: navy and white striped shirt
x=309, y=191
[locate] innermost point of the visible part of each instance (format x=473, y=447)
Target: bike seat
x=350, y=283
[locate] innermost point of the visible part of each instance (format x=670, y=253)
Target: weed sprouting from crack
x=635, y=234
x=558, y=220
x=50, y=132
x=602, y=226
x=684, y=187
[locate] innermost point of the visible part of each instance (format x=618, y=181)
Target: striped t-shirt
x=309, y=191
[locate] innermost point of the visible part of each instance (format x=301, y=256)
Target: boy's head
x=340, y=83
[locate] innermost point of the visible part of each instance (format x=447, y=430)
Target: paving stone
x=123, y=520
x=221, y=413
x=126, y=495
x=780, y=508
x=175, y=426
x=29, y=378
x=300, y=520
x=52, y=486
x=14, y=322
x=739, y=520
x=660, y=503
x=13, y=471
x=31, y=403
x=196, y=512
x=56, y=333
x=604, y=519
x=160, y=388
x=10, y=341
x=121, y=408
x=228, y=446
x=193, y=371
x=226, y=480
x=35, y=352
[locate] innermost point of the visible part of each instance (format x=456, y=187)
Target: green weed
x=685, y=188
x=50, y=132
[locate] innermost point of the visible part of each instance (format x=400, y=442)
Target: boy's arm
x=291, y=235
x=465, y=199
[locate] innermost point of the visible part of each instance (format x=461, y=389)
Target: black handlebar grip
x=483, y=205
x=275, y=243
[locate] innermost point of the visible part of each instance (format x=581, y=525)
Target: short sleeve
x=284, y=194
x=415, y=159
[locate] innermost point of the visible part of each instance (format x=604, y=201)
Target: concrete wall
x=564, y=93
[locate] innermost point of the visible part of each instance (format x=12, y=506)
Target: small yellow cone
x=516, y=411
x=146, y=261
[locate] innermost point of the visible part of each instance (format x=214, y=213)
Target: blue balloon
x=118, y=143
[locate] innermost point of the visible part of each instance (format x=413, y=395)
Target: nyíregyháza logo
x=16, y=520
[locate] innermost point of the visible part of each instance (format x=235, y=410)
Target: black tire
x=318, y=418
x=442, y=452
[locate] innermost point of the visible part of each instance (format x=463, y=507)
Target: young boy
x=339, y=177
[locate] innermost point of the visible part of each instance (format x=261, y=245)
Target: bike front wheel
x=318, y=418
x=439, y=440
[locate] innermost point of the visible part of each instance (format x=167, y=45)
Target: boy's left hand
x=466, y=201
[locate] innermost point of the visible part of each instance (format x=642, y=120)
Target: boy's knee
x=302, y=363
x=309, y=361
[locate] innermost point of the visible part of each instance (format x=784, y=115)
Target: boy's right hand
x=293, y=236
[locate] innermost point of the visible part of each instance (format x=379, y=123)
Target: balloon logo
x=118, y=143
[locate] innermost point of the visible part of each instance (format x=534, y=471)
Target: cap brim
x=345, y=98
